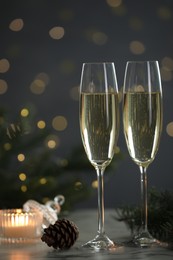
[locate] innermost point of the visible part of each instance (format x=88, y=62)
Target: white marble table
x=86, y=220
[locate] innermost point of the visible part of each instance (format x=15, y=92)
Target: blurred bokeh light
x=43, y=46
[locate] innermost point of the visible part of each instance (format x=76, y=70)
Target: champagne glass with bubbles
x=142, y=120
x=99, y=125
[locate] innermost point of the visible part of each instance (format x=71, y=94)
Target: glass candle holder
x=18, y=226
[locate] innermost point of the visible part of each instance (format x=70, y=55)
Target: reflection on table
x=86, y=220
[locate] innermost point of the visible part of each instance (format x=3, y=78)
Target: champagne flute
x=142, y=121
x=99, y=125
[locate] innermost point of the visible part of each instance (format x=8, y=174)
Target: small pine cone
x=62, y=234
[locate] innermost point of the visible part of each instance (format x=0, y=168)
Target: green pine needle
x=160, y=215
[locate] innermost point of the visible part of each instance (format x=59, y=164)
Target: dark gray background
x=32, y=51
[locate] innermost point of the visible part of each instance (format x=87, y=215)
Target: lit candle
x=19, y=225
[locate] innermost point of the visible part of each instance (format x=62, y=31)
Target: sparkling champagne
x=99, y=121
x=142, y=116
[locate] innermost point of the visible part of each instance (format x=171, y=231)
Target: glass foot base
x=144, y=239
x=100, y=242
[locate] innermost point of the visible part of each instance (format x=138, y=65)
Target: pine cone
x=62, y=234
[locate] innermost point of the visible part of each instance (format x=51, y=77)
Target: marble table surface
x=86, y=220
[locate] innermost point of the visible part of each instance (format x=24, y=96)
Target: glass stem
x=144, y=203
x=100, y=172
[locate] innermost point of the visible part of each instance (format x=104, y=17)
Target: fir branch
x=160, y=215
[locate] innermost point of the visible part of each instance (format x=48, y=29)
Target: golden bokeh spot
x=37, y=86
x=22, y=176
x=43, y=181
x=23, y=188
x=3, y=86
x=99, y=38
x=169, y=129
x=63, y=162
x=43, y=77
x=120, y=10
x=166, y=75
x=41, y=124
x=95, y=36
x=59, y=123
x=137, y=47
x=164, y=13
x=4, y=65
x=78, y=185
x=52, y=141
x=21, y=157
x=67, y=67
x=74, y=93
x=39, y=83
x=167, y=63
x=51, y=144
x=94, y=184
x=7, y=146
x=136, y=23
x=16, y=25
x=114, y=3
x=24, y=112
x=57, y=32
